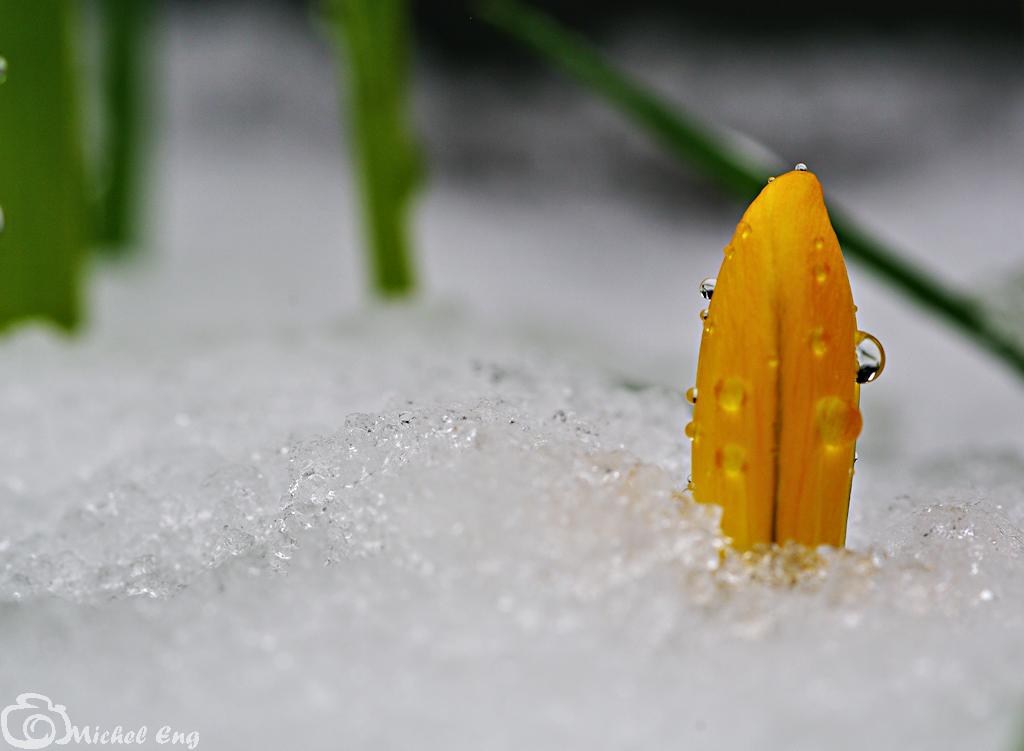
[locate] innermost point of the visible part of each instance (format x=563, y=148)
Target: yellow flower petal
x=774, y=428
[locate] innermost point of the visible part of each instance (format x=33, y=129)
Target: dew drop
x=821, y=272
x=703, y=314
x=691, y=395
x=709, y=327
x=839, y=422
x=707, y=287
x=731, y=459
x=819, y=341
x=870, y=357
x=691, y=430
x=730, y=393
x=689, y=483
x=728, y=251
x=821, y=269
x=771, y=179
x=743, y=230
x=773, y=362
x=800, y=167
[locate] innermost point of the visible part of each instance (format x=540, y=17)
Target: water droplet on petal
x=839, y=422
x=870, y=357
x=800, y=167
x=819, y=341
x=819, y=243
x=707, y=287
x=821, y=272
x=689, y=483
x=728, y=251
x=743, y=230
x=771, y=179
x=703, y=314
x=773, y=362
x=691, y=395
x=730, y=393
x=731, y=459
x=691, y=430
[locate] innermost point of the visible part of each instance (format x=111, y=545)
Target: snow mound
x=413, y=532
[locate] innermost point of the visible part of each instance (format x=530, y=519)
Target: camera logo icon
x=34, y=721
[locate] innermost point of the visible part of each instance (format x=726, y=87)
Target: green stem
x=42, y=173
x=124, y=80
x=712, y=154
x=375, y=36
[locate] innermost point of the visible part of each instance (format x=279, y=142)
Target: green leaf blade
x=42, y=175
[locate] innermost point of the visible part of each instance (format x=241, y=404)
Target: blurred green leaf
x=373, y=42
x=712, y=153
x=43, y=243
x=125, y=67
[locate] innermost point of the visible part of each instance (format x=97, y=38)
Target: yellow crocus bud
x=778, y=376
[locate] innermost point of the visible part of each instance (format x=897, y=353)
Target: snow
x=249, y=503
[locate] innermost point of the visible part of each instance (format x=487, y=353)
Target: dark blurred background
x=448, y=23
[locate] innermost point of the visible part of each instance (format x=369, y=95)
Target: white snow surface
x=251, y=504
